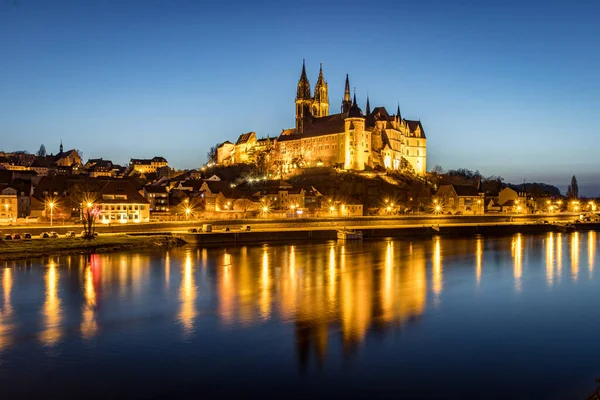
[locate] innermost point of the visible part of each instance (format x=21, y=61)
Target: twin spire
x=321, y=92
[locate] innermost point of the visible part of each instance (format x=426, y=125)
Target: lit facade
x=8, y=206
x=351, y=139
x=145, y=166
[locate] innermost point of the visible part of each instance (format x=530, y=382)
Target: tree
x=42, y=151
x=438, y=169
x=212, y=154
x=573, y=189
x=84, y=199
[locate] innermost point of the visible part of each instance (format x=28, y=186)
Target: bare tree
x=84, y=199
x=42, y=151
x=212, y=154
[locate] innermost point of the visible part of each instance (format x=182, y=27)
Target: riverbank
x=23, y=249
x=258, y=236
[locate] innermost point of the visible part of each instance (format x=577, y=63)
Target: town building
x=8, y=205
x=458, y=199
x=351, y=139
x=119, y=202
x=158, y=197
x=144, y=166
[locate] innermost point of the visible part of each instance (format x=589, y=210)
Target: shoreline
x=37, y=248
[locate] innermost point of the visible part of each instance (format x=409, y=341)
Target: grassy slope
x=19, y=249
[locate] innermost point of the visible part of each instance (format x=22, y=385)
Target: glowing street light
x=51, y=205
x=187, y=212
x=438, y=209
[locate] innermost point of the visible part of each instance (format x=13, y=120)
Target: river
x=507, y=317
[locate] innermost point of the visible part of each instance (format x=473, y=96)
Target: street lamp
x=51, y=205
x=187, y=212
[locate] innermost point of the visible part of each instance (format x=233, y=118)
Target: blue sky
x=507, y=87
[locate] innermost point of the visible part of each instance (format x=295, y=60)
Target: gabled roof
x=219, y=187
x=155, y=189
x=245, y=137
x=413, y=125
x=225, y=143
x=460, y=190
x=466, y=190
x=328, y=125
x=121, y=187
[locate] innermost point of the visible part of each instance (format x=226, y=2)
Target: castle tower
x=346, y=102
x=356, y=138
x=368, y=110
x=321, y=99
x=303, y=101
x=61, y=147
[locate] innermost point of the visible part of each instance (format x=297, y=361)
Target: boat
x=349, y=234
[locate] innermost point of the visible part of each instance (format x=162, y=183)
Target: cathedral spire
x=320, y=104
x=354, y=100
x=346, y=101
x=368, y=110
x=347, y=89
x=303, y=92
x=61, y=146
x=398, y=113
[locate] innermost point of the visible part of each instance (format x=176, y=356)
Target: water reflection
x=550, y=259
x=591, y=250
x=517, y=254
x=187, y=295
x=437, y=266
x=6, y=312
x=89, y=325
x=478, y=258
x=52, y=307
x=574, y=255
x=326, y=292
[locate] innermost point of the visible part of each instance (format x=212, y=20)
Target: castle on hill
x=351, y=139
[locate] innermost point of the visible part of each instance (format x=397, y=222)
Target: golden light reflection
x=574, y=255
x=187, y=295
x=559, y=246
x=437, y=277
x=591, y=252
x=6, y=312
x=517, y=253
x=265, y=286
x=478, y=259
x=387, y=288
x=312, y=291
x=89, y=326
x=226, y=291
x=332, y=287
x=550, y=258
x=167, y=269
x=52, y=308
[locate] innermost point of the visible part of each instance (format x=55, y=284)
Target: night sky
x=510, y=88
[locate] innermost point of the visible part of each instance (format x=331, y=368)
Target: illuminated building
x=145, y=166
x=351, y=139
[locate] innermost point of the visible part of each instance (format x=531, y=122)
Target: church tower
x=303, y=101
x=347, y=101
x=321, y=99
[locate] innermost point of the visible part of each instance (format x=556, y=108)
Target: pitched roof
x=245, y=137
x=155, y=189
x=462, y=190
x=225, y=143
x=121, y=187
x=413, y=125
x=328, y=125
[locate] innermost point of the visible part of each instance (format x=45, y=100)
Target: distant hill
x=536, y=188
